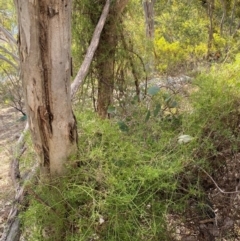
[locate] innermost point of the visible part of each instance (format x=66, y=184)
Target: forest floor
x=224, y=226
x=10, y=130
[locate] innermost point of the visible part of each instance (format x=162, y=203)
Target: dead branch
x=219, y=189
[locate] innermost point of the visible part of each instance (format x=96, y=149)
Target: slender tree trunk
x=106, y=58
x=105, y=67
x=148, y=7
x=91, y=50
x=44, y=47
x=210, y=30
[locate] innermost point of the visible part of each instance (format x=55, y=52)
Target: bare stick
x=220, y=190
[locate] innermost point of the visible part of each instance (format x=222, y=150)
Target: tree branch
x=8, y=61
x=15, y=57
x=8, y=35
x=91, y=50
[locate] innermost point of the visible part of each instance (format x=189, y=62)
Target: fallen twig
x=219, y=189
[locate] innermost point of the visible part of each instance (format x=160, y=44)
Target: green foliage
x=180, y=38
x=10, y=85
x=219, y=42
x=130, y=174
x=82, y=29
x=7, y=14
x=121, y=190
x=159, y=107
x=133, y=54
x=170, y=54
x=46, y=213
x=8, y=22
x=153, y=90
x=216, y=109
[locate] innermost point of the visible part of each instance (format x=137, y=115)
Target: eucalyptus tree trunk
x=44, y=49
x=148, y=7
x=210, y=12
x=106, y=57
x=105, y=67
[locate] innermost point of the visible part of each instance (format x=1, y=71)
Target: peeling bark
x=44, y=35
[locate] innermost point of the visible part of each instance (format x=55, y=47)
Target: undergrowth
x=118, y=189
x=124, y=184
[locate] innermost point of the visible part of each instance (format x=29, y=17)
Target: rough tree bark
x=148, y=7
x=105, y=67
x=44, y=47
x=91, y=50
x=106, y=57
